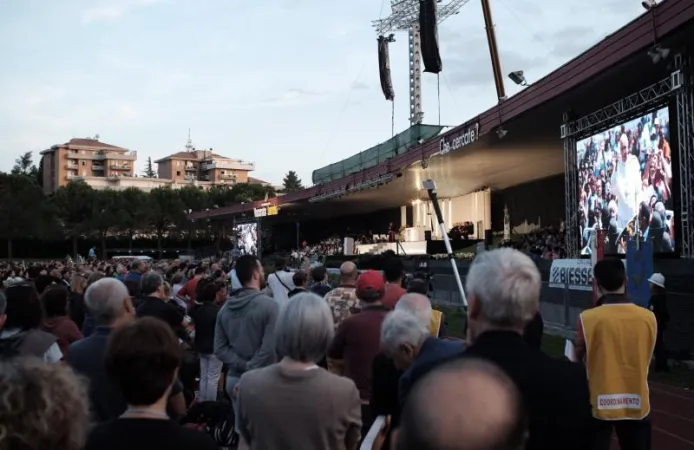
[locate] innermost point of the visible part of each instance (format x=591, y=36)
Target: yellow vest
x=619, y=341
x=435, y=324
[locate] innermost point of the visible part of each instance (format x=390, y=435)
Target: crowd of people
x=547, y=243
x=625, y=181
x=182, y=356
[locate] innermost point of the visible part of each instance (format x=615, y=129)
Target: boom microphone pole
x=430, y=187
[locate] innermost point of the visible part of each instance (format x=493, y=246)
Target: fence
x=561, y=307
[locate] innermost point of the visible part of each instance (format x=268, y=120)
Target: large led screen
x=625, y=184
x=247, y=238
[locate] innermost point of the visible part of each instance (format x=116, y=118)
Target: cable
x=438, y=94
x=392, y=118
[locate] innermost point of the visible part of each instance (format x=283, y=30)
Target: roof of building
x=190, y=156
x=252, y=180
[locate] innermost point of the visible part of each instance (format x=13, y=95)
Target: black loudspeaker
x=384, y=68
x=488, y=238
x=427, y=235
x=429, y=36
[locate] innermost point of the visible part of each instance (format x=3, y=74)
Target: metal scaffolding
x=405, y=16
x=684, y=100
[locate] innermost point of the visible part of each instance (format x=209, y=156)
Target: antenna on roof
x=189, y=143
x=96, y=137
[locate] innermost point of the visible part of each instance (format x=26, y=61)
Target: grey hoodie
x=244, y=337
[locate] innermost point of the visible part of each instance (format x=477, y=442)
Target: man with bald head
x=343, y=299
x=466, y=404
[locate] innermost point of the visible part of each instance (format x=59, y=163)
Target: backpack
x=217, y=419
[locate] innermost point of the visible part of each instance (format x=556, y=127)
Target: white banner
x=577, y=273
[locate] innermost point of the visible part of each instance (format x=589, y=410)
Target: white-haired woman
x=295, y=403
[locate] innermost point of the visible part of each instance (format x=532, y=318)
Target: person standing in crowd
x=406, y=338
x=616, y=341
x=155, y=302
x=662, y=317
x=76, y=303
x=233, y=278
x=299, y=279
x=320, y=285
x=205, y=318
x=280, y=282
x=503, y=288
x=357, y=340
x=325, y=410
x=137, y=268
x=143, y=359
x=88, y=324
x=244, y=336
x=342, y=300
x=626, y=183
x=108, y=303
x=21, y=334
x=57, y=322
x=394, y=273
x=44, y=406
x=534, y=330
x=466, y=404
x=189, y=292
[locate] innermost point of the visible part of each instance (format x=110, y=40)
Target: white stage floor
x=410, y=248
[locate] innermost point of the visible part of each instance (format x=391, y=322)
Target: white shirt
x=626, y=185
x=280, y=284
x=235, y=283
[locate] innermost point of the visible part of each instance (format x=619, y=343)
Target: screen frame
x=671, y=104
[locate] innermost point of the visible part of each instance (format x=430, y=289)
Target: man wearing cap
x=357, y=340
x=662, y=317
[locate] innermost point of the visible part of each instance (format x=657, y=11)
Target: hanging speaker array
x=384, y=68
x=429, y=36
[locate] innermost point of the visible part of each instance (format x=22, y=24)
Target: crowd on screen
x=625, y=179
x=177, y=355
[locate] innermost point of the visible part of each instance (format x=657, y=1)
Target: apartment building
x=85, y=159
x=106, y=166
x=204, y=166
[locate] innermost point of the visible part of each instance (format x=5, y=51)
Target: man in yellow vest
x=617, y=340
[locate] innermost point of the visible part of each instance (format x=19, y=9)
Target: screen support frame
x=684, y=100
x=611, y=115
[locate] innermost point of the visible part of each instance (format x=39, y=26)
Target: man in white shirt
x=280, y=282
x=626, y=183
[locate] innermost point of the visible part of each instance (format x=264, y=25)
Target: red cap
x=370, y=286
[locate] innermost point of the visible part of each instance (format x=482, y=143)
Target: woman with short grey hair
x=295, y=403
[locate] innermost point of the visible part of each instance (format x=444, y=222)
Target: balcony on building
x=190, y=167
x=228, y=164
x=97, y=166
x=120, y=166
x=72, y=166
x=227, y=176
x=106, y=154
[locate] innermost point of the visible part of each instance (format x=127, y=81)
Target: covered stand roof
x=615, y=67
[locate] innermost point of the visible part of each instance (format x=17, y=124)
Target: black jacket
x=205, y=318
x=534, y=330
x=554, y=391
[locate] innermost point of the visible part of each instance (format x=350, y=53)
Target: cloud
x=114, y=9
x=360, y=86
x=570, y=41
x=294, y=97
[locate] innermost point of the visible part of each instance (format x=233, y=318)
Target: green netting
x=397, y=145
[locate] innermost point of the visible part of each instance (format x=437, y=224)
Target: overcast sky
x=288, y=84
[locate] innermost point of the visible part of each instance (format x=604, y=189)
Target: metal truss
x=572, y=231
x=622, y=109
x=685, y=136
x=405, y=16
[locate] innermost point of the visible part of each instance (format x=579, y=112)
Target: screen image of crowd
x=247, y=238
x=625, y=184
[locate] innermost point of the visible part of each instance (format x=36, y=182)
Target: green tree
x=24, y=165
x=21, y=206
x=39, y=172
x=292, y=182
x=166, y=209
x=107, y=208
x=192, y=199
x=134, y=213
x=149, y=169
x=74, y=206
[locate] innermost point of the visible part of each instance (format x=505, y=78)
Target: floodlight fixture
x=501, y=132
x=658, y=53
x=648, y=4
x=518, y=78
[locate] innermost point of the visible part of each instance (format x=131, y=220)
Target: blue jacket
x=434, y=351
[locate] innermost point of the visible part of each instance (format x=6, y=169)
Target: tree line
x=76, y=211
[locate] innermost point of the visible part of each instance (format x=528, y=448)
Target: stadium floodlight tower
x=405, y=16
